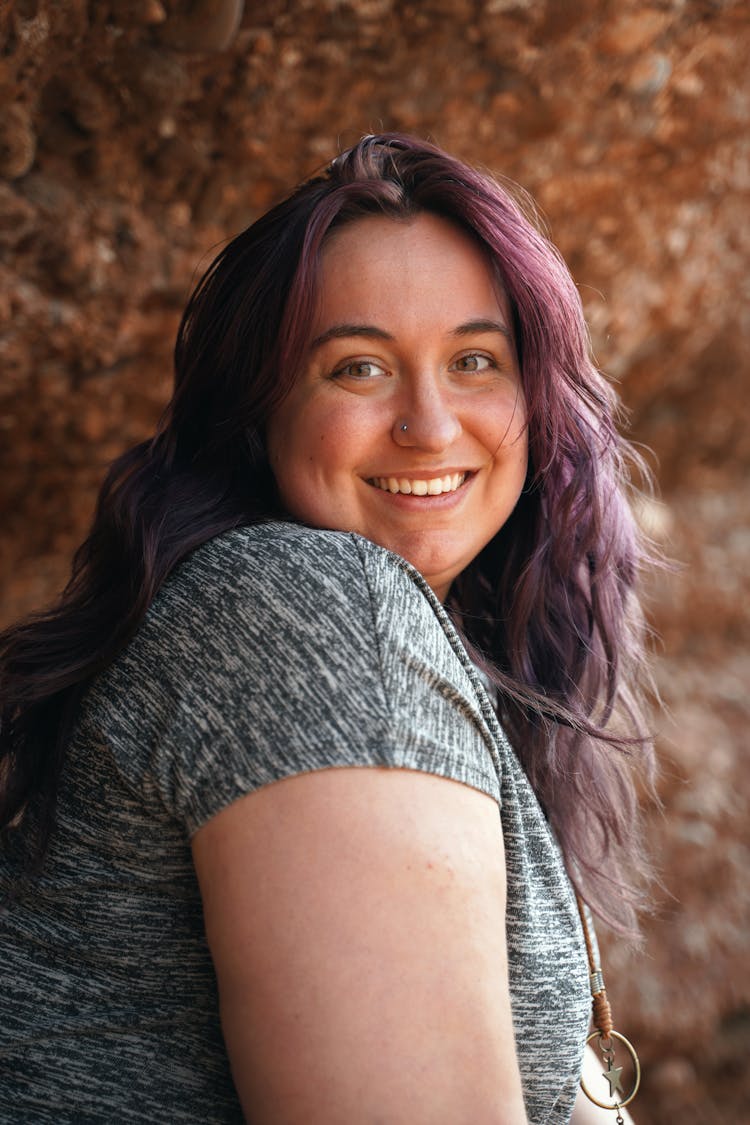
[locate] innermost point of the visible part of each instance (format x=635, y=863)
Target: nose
x=427, y=421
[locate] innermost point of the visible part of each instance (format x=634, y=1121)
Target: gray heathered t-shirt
x=271, y=651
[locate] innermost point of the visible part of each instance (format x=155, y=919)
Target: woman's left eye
x=475, y=361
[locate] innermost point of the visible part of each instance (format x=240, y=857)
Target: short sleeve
x=277, y=650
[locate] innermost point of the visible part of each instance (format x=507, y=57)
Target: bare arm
x=584, y=1111
x=356, y=918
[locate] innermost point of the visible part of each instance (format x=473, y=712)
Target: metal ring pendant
x=636, y=1075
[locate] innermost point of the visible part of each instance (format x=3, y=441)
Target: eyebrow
x=342, y=330
x=470, y=328
x=473, y=327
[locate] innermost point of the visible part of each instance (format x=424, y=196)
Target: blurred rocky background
x=136, y=135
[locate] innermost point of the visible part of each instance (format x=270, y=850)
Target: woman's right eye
x=358, y=369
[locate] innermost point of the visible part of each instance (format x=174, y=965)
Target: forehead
x=426, y=266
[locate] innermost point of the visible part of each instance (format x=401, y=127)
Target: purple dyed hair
x=549, y=607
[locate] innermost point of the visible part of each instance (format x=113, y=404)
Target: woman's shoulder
x=308, y=546
x=264, y=542
x=280, y=561
x=278, y=649
x=333, y=596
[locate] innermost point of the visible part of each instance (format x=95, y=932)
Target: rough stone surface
x=135, y=135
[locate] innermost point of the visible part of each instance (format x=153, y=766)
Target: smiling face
x=408, y=423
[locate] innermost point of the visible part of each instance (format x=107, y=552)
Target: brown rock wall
x=137, y=134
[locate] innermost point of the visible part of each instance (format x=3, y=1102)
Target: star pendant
x=613, y=1077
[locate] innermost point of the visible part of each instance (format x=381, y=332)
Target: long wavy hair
x=549, y=607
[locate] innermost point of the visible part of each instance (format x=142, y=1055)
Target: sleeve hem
x=201, y=810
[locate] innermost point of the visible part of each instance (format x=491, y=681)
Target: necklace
x=605, y=1034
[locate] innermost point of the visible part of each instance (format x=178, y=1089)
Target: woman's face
x=408, y=422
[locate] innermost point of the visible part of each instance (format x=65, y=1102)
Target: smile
x=415, y=487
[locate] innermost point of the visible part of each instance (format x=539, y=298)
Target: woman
x=387, y=495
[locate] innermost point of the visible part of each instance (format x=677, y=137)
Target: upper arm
x=356, y=918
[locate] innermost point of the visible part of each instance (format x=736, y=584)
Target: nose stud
x=403, y=427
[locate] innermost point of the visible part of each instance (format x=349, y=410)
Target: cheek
x=517, y=416
x=317, y=449
x=302, y=456
x=504, y=431
x=290, y=443
x=518, y=450
x=283, y=444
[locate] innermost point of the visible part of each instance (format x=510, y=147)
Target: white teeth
x=436, y=486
